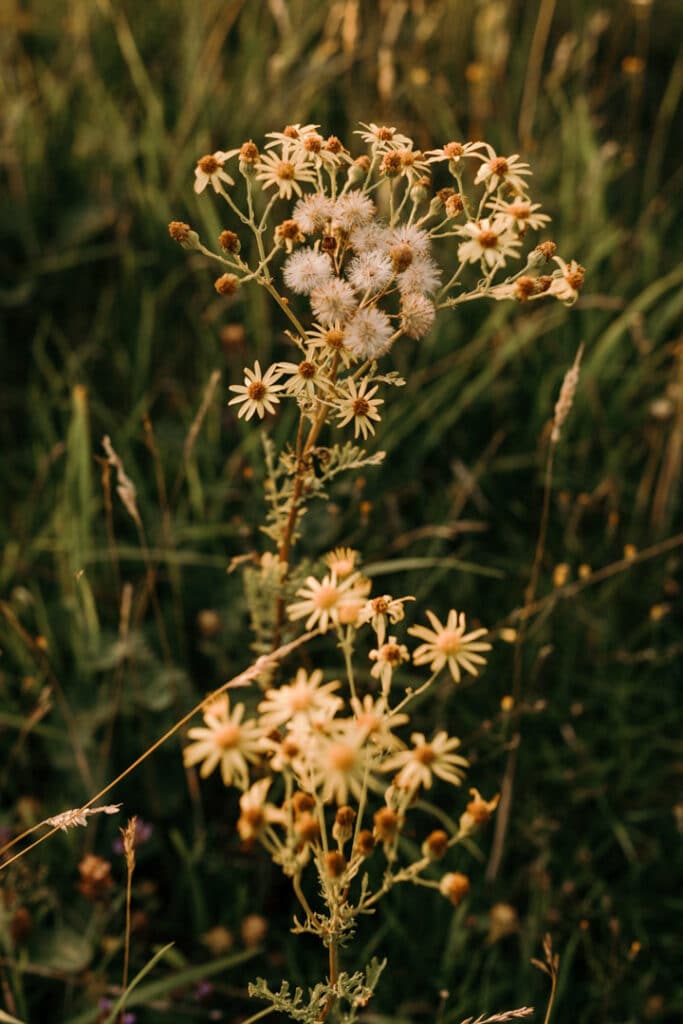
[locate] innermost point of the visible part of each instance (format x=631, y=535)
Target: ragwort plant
x=358, y=254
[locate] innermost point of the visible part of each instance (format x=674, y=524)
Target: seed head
x=226, y=284
x=335, y=863
x=229, y=242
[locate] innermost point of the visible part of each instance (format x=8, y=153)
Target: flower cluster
x=326, y=774
x=363, y=248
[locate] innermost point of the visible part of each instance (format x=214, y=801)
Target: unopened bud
x=436, y=844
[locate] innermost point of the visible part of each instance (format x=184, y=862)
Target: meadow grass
x=106, y=329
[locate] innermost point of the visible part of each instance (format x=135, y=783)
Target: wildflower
x=369, y=334
x=520, y=214
x=454, y=886
x=421, y=277
x=418, y=765
x=289, y=232
x=183, y=233
x=331, y=340
x=478, y=811
x=334, y=864
x=370, y=236
x=415, y=238
x=435, y=845
x=490, y=241
x=313, y=212
x=305, y=270
x=380, y=610
x=382, y=136
x=338, y=766
x=375, y=721
x=567, y=285
x=361, y=407
x=371, y=271
x=454, y=152
x=365, y=843
x=255, y=813
x=417, y=315
x=229, y=242
x=298, y=700
x=292, y=134
x=413, y=163
x=323, y=599
x=498, y=169
x=333, y=301
x=304, y=377
x=342, y=830
x=286, y=175
x=387, y=658
x=209, y=171
x=387, y=824
x=341, y=561
x=226, y=741
x=450, y=645
x=258, y=393
x=353, y=210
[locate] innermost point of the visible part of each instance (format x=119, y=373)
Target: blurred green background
x=108, y=328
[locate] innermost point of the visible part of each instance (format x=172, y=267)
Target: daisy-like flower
x=284, y=174
x=454, y=152
x=324, y=599
x=226, y=741
x=370, y=271
x=258, y=394
x=333, y=302
x=380, y=610
x=209, y=171
x=450, y=645
x=331, y=340
x=382, y=136
x=376, y=722
x=418, y=766
x=417, y=315
x=255, y=813
x=313, y=212
x=388, y=657
x=498, y=169
x=337, y=766
x=304, y=378
x=341, y=561
x=413, y=164
x=353, y=210
x=305, y=270
x=422, y=277
x=478, y=810
x=361, y=407
x=520, y=214
x=369, y=333
x=568, y=284
x=489, y=241
x=299, y=700
x=290, y=136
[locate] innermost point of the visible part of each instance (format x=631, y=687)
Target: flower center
x=385, y=134
x=209, y=165
x=326, y=596
x=306, y=370
x=499, y=166
x=448, y=642
x=299, y=698
x=391, y=162
x=291, y=132
x=488, y=239
x=341, y=757
x=228, y=736
x=520, y=210
x=380, y=605
x=453, y=150
x=335, y=338
x=257, y=390
x=313, y=143
x=285, y=170
x=425, y=754
x=390, y=653
x=361, y=407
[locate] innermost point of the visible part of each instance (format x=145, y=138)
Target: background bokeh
x=109, y=328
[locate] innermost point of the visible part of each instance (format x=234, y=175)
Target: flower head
x=369, y=334
x=361, y=407
x=450, y=645
x=489, y=241
x=258, y=393
x=496, y=170
x=419, y=765
x=297, y=701
x=226, y=741
x=305, y=270
x=324, y=599
x=285, y=174
x=333, y=301
x=209, y=171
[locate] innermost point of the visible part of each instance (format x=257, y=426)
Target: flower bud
x=358, y=171
x=454, y=886
x=436, y=844
x=183, y=234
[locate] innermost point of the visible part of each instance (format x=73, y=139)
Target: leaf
x=123, y=998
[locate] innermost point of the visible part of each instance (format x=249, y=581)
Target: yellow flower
x=450, y=645
x=258, y=393
x=226, y=741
